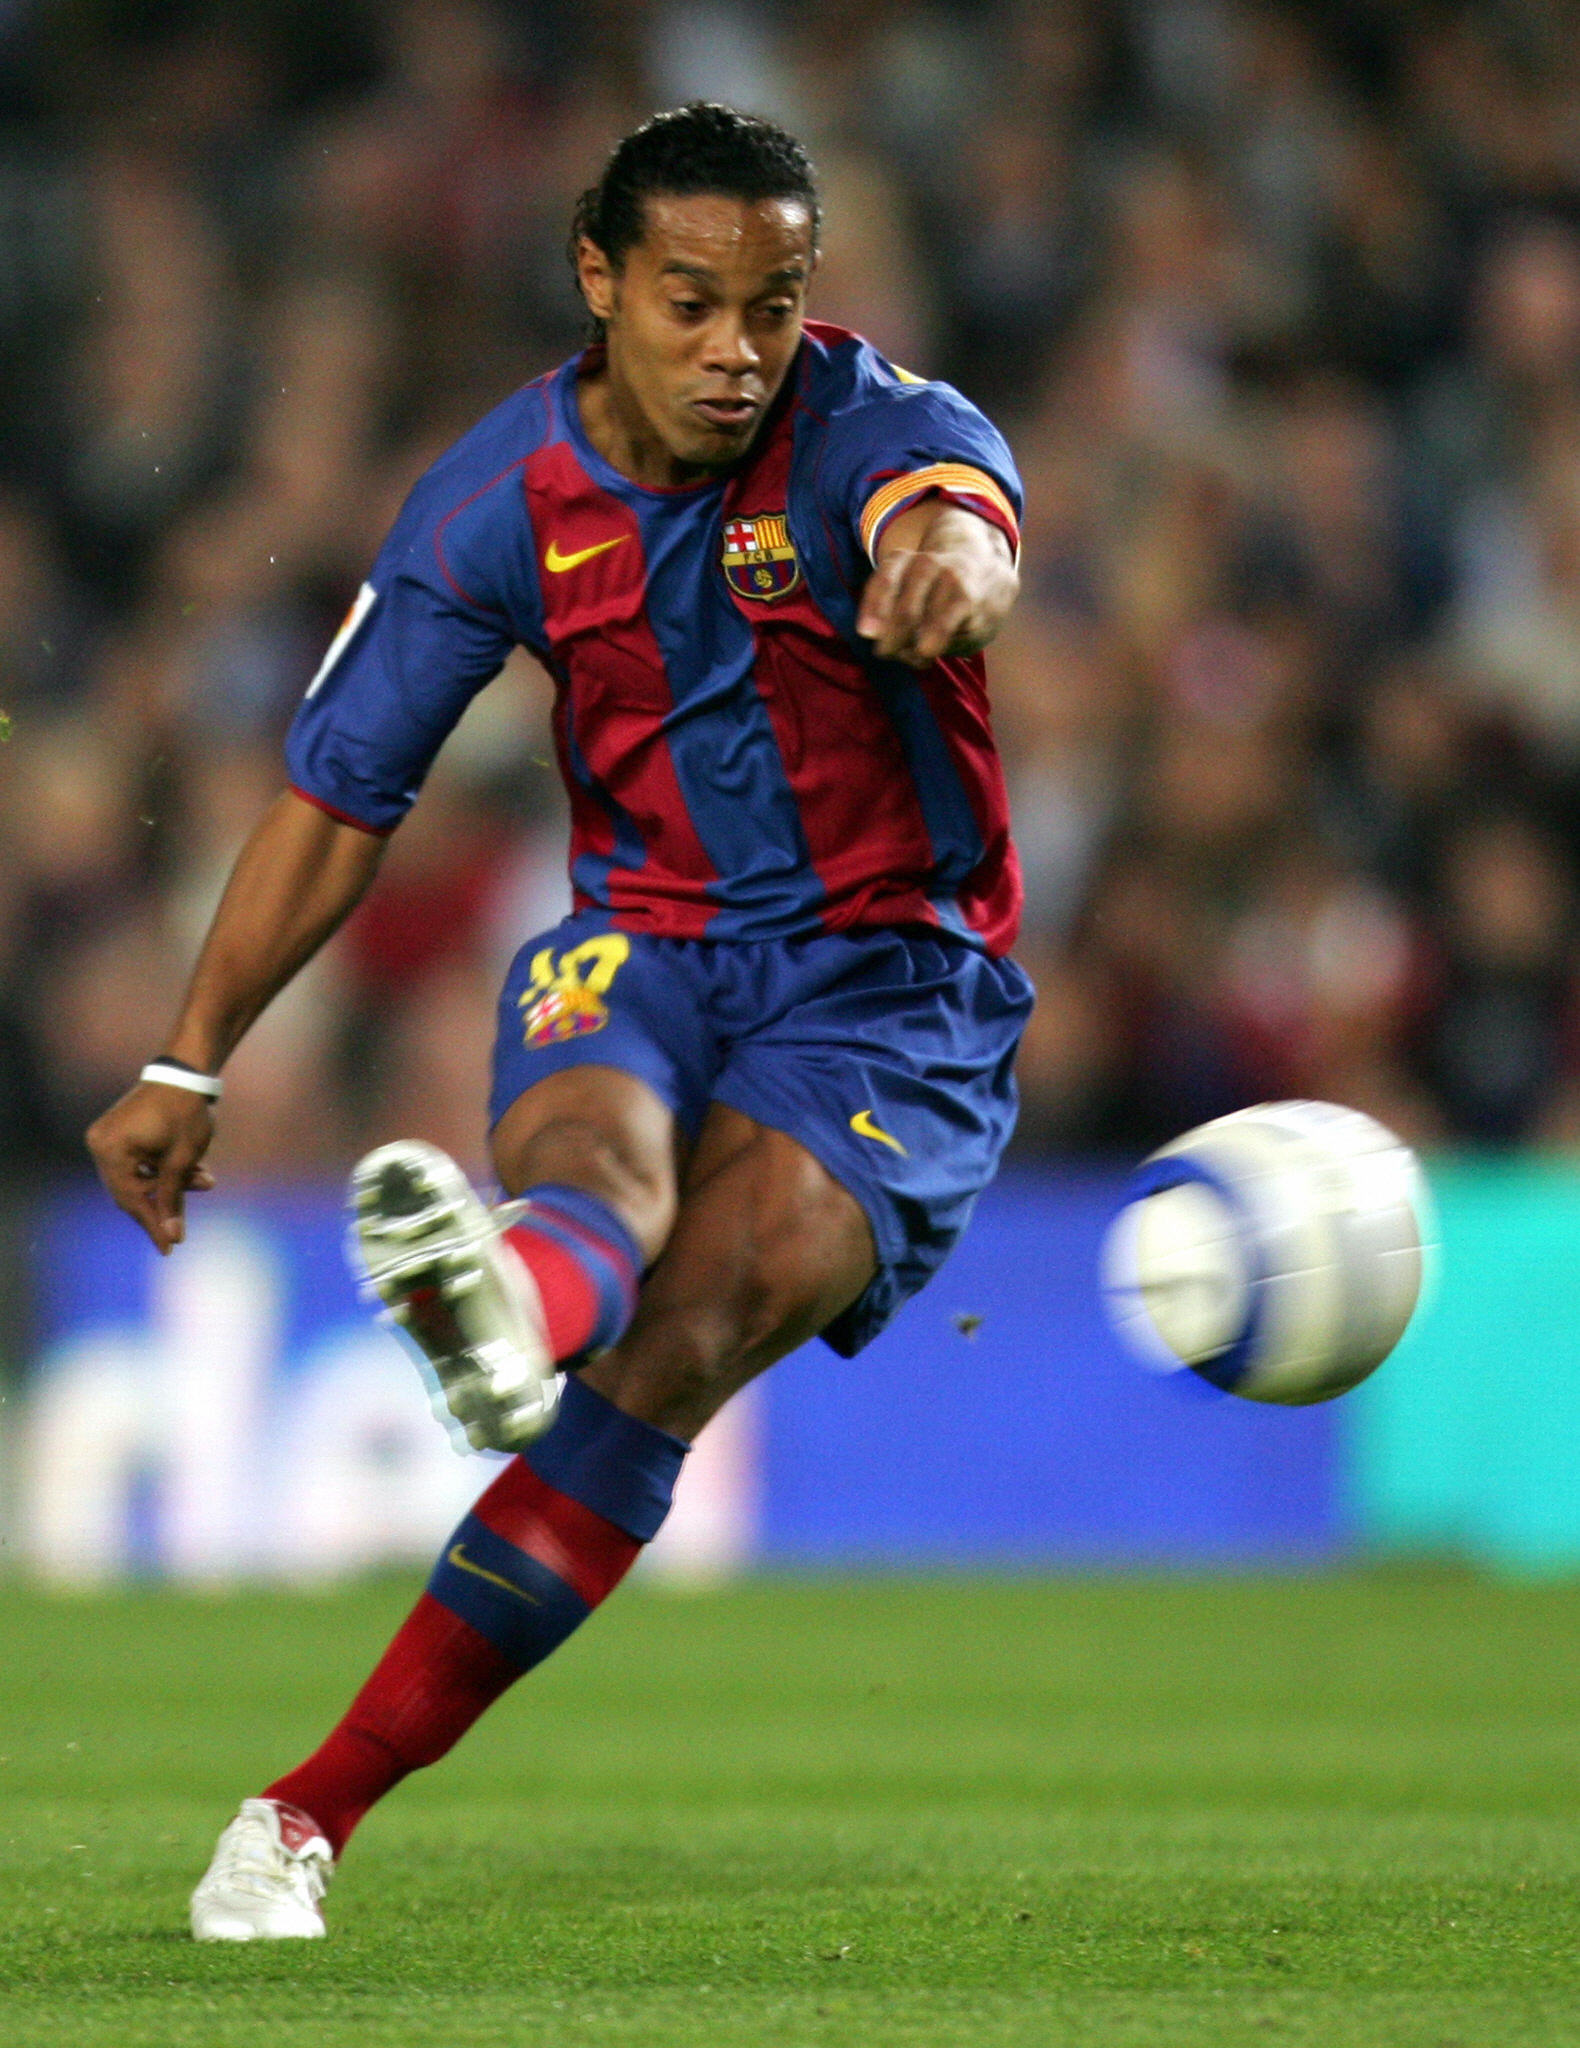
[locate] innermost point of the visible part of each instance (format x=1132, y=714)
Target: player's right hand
x=149, y=1150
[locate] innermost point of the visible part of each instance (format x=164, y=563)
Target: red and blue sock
x=586, y=1264
x=546, y=1543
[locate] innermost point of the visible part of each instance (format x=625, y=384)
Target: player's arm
x=299, y=875
x=944, y=584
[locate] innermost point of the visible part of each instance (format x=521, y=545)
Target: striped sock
x=546, y=1543
x=585, y=1262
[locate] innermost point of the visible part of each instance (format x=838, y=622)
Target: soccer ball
x=1278, y=1253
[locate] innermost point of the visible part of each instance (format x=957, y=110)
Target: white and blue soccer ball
x=1278, y=1253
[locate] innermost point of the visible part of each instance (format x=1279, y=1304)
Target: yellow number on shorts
x=565, y=1000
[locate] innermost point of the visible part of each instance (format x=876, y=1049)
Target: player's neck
x=613, y=421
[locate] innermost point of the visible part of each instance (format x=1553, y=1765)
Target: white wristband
x=181, y=1077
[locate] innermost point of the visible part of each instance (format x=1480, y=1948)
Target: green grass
x=1338, y=1812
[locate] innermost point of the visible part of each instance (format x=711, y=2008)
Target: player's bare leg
x=765, y=1250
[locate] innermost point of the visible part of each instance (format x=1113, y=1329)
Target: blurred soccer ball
x=1277, y=1253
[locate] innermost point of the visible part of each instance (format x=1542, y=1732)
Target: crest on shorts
x=567, y=1010
x=564, y=998
x=759, y=557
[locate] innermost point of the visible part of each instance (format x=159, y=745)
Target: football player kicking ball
x=749, y=1090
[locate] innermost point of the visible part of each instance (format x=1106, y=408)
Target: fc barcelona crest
x=759, y=557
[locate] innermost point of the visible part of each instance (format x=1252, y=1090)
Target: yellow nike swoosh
x=861, y=1123
x=462, y=1562
x=559, y=563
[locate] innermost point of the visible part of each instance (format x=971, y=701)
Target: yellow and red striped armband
x=957, y=482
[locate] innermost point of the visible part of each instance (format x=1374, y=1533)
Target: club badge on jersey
x=565, y=998
x=760, y=558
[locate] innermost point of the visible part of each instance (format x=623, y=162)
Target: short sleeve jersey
x=739, y=764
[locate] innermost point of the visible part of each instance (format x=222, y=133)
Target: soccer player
x=748, y=1091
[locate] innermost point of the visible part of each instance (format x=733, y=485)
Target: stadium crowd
x=1280, y=307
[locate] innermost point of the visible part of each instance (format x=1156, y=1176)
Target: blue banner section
x=997, y=1421
x=92, y=1266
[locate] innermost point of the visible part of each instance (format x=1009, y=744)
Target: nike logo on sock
x=457, y=1556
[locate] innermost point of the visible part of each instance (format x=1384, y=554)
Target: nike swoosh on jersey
x=559, y=563
x=861, y=1123
x=459, y=1558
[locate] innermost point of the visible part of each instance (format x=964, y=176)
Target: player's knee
x=637, y=1183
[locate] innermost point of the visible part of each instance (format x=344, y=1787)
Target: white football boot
x=271, y=1867
x=435, y=1255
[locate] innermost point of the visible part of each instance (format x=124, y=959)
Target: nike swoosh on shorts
x=861, y=1123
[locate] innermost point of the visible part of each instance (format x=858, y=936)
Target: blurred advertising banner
x=235, y=1412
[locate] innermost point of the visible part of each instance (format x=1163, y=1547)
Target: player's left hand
x=944, y=584
x=916, y=607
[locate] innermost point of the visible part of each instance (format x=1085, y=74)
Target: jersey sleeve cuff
x=340, y=817
x=957, y=483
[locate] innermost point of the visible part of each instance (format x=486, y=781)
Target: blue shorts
x=888, y=1054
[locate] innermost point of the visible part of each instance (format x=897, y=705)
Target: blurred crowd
x=1279, y=305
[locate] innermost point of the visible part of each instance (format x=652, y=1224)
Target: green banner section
x=1468, y=1438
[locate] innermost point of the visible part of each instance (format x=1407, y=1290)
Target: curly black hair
x=701, y=147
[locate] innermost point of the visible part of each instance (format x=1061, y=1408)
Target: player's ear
x=595, y=274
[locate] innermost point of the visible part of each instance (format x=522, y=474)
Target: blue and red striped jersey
x=739, y=764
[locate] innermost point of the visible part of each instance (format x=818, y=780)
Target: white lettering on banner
x=163, y=1414
x=190, y=1444
x=217, y=1330
x=363, y=1472
x=90, y=1436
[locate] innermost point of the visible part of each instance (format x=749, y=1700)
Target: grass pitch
x=1338, y=1811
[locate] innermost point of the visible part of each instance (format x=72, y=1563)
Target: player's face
x=703, y=319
